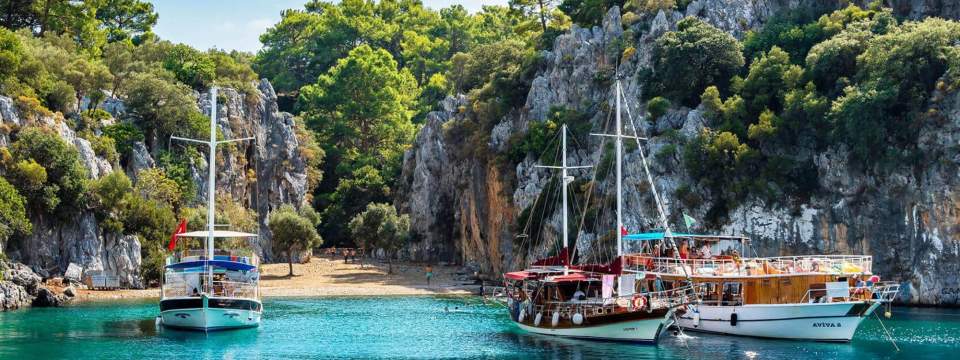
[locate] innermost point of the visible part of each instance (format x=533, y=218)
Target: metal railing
x=238, y=255
x=593, y=307
x=812, y=264
x=219, y=288
x=882, y=292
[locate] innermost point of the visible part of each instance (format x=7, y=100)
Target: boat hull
x=835, y=322
x=645, y=330
x=218, y=314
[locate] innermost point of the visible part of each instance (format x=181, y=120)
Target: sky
x=237, y=25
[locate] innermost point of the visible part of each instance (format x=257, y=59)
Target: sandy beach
x=323, y=276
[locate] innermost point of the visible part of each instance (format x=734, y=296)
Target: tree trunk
x=290, y=262
x=390, y=265
x=543, y=17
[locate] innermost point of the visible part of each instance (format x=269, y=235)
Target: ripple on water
x=416, y=327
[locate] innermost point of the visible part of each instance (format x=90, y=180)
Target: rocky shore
x=20, y=287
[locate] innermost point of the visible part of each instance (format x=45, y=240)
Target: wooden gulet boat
x=813, y=297
x=554, y=297
x=211, y=289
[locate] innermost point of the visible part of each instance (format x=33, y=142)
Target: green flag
x=688, y=220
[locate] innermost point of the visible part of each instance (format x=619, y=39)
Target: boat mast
x=619, y=150
x=564, y=181
x=212, y=175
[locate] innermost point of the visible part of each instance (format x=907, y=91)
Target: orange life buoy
x=639, y=302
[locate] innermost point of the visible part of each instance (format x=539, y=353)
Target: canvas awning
x=572, y=277
x=653, y=236
x=224, y=264
x=517, y=275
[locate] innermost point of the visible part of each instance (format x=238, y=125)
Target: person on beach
x=429, y=274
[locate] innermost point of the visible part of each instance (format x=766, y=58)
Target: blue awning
x=651, y=236
x=229, y=265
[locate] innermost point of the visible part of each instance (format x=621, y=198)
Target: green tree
x=292, y=232
x=695, y=56
x=380, y=226
x=126, y=19
x=160, y=107
x=110, y=194
x=153, y=184
x=588, y=12
x=657, y=107
x=190, y=66
x=769, y=78
x=66, y=176
x=13, y=215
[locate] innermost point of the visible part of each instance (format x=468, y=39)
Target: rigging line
x=890, y=337
x=590, y=188
x=653, y=187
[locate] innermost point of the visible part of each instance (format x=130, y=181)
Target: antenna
x=565, y=180
x=211, y=173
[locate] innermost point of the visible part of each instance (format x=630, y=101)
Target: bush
x=123, y=135
x=13, y=214
x=695, y=56
x=66, y=176
x=657, y=107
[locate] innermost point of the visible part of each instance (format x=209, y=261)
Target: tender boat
x=211, y=289
x=591, y=301
x=811, y=297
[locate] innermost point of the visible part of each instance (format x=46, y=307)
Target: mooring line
x=887, y=332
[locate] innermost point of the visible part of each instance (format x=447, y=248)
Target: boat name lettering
x=826, y=325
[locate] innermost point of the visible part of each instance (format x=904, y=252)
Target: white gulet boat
x=211, y=289
x=556, y=297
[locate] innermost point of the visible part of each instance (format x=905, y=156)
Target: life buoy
x=577, y=319
x=639, y=302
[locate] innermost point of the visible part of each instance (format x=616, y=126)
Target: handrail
x=756, y=266
x=653, y=301
x=220, y=288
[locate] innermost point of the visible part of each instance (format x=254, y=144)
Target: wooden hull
x=639, y=327
x=819, y=322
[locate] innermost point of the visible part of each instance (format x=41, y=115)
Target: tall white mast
x=564, y=181
x=212, y=172
x=619, y=150
x=211, y=176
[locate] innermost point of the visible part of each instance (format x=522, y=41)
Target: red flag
x=623, y=231
x=182, y=228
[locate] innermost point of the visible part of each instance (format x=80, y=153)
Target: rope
x=889, y=337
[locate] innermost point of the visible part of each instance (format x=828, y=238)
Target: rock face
x=261, y=174
x=464, y=207
x=19, y=287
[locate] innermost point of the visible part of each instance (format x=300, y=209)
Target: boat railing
x=758, y=266
x=647, y=301
x=883, y=292
x=219, y=288
x=237, y=255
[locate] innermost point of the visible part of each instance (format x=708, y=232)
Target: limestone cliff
x=464, y=208
x=262, y=174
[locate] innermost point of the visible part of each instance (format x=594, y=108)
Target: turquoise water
x=416, y=327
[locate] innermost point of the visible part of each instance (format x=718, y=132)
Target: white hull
x=644, y=330
x=819, y=322
x=206, y=319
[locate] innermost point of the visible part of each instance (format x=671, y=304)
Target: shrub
x=695, y=56
x=123, y=135
x=66, y=175
x=657, y=107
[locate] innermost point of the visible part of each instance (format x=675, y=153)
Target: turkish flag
x=623, y=231
x=182, y=228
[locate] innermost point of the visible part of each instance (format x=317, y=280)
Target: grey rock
x=139, y=159
x=13, y=296
x=47, y=298
x=70, y=291
x=74, y=273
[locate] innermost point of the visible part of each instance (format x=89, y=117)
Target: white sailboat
x=211, y=289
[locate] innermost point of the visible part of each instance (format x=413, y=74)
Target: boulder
x=13, y=296
x=47, y=298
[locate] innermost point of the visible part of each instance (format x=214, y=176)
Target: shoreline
x=327, y=277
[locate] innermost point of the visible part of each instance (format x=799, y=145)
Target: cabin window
x=732, y=294
x=711, y=294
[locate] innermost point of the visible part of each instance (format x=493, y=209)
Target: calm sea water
x=417, y=327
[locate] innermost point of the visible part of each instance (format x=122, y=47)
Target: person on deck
x=684, y=251
x=578, y=295
x=705, y=251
